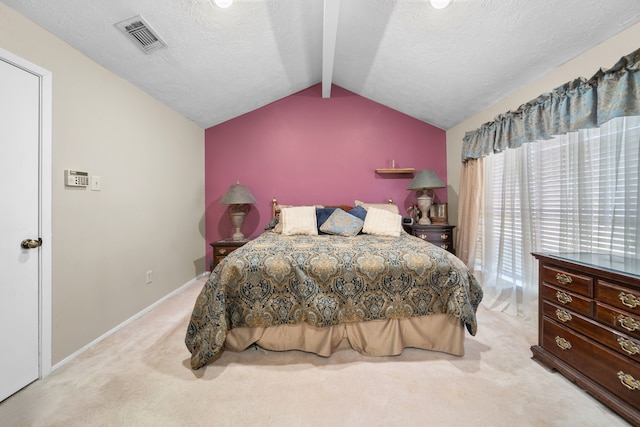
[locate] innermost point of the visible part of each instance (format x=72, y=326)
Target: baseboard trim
x=126, y=322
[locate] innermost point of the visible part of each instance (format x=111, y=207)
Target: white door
x=19, y=220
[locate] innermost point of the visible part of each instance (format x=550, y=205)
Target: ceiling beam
x=329, y=35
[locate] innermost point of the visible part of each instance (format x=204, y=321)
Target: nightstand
x=222, y=248
x=439, y=235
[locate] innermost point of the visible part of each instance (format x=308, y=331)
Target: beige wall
x=586, y=65
x=149, y=214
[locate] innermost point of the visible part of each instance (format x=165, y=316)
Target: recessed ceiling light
x=223, y=4
x=440, y=4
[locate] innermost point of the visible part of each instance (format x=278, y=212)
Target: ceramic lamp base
x=424, y=204
x=237, y=218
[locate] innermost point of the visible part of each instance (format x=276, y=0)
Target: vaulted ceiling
x=439, y=66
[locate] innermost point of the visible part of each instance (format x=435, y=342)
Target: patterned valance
x=578, y=104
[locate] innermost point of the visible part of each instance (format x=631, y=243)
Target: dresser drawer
x=222, y=248
x=223, y=251
x=620, y=320
x=614, y=372
x=436, y=235
x=569, y=300
x=220, y=252
x=617, y=296
x=616, y=341
x=439, y=235
x=568, y=280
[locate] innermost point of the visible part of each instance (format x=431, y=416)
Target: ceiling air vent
x=141, y=33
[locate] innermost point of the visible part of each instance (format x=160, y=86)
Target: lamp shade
x=425, y=179
x=238, y=194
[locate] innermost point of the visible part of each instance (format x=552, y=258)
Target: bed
x=376, y=290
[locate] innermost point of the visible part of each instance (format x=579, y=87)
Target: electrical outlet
x=149, y=276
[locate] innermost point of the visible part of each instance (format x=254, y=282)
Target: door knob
x=31, y=243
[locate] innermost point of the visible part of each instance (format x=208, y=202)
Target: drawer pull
x=628, y=381
x=628, y=346
x=445, y=246
x=563, y=344
x=563, y=316
x=222, y=251
x=563, y=279
x=563, y=298
x=629, y=323
x=629, y=300
x=444, y=236
x=422, y=236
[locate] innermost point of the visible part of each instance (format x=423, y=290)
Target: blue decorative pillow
x=272, y=224
x=358, y=212
x=342, y=224
x=322, y=214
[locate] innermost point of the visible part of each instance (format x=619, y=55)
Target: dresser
x=222, y=248
x=439, y=235
x=589, y=325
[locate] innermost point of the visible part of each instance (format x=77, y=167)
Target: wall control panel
x=76, y=178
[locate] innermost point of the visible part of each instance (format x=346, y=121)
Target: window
x=574, y=193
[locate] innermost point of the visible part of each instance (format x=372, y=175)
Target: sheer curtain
x=542, y=192
x=575, y=192
x=472, y=177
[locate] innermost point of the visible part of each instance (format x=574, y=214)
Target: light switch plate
x=96, y=183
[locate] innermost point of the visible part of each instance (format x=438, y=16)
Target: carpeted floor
x=140, y=376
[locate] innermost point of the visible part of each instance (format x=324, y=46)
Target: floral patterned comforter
x=328, y=280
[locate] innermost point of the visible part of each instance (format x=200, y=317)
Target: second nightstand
x=439, y=235
x=222, y=248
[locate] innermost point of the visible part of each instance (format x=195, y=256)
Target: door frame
x=44, y=205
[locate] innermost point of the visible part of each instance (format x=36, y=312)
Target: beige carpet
x=140, y=376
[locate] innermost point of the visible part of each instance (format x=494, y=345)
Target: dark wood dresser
x=222, y=248
x=439, y=235
x=589, y=325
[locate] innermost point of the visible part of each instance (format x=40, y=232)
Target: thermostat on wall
x=76, y=178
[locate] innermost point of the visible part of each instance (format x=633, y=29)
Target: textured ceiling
x=439, y=66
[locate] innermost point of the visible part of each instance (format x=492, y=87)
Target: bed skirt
x=437, y=332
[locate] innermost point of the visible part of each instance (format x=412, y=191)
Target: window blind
x=577, y=192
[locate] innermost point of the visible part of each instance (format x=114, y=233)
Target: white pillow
x=380, y=222
x=393, y=208
x=299, y=220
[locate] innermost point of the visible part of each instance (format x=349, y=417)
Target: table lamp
x=423, y=182
x=238, y=197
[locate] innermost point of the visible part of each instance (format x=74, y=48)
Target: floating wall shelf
x=396, y=170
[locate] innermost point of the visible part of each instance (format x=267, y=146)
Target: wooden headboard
x=275, y=207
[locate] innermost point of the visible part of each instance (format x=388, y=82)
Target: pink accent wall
x=304, y=149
